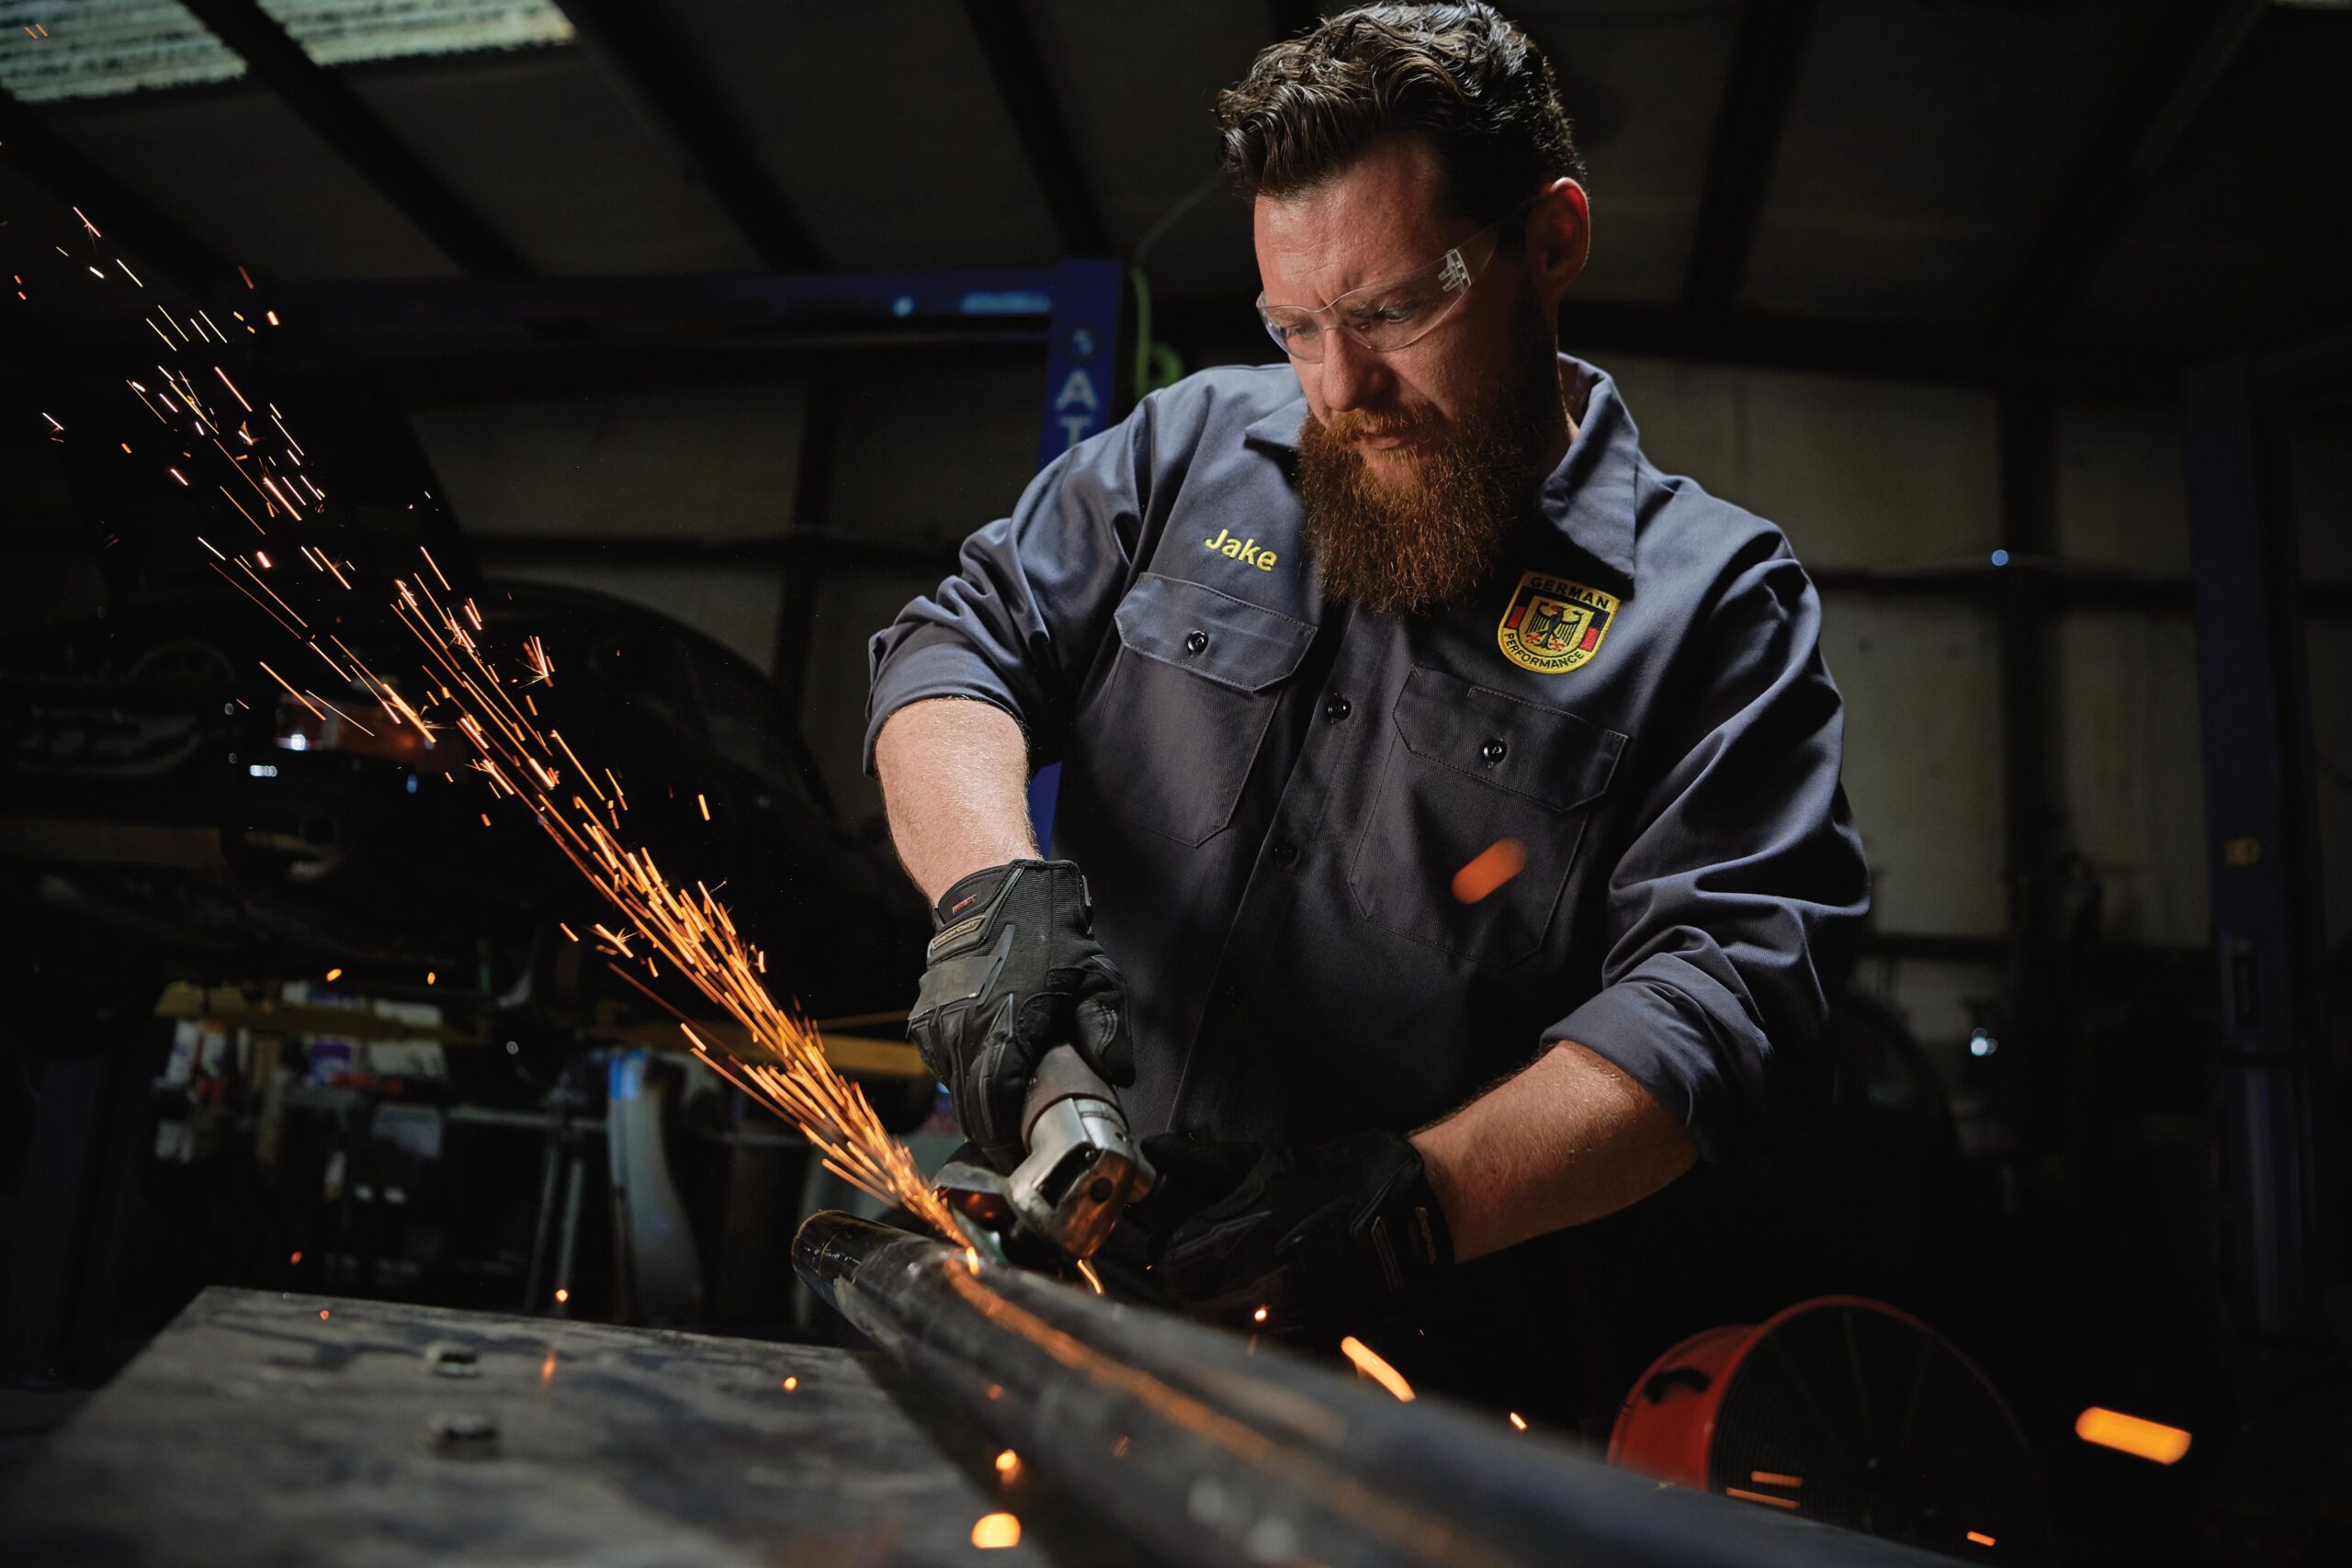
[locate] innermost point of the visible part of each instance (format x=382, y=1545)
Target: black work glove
x=1012, y=971
x=1325, y=1240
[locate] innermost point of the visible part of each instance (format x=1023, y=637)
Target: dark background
x=1966, y=295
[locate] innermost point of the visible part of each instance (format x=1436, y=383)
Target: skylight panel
x=349, y=33
x=99, y=49
x=96, y=49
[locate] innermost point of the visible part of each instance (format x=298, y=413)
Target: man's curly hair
x=1462, y=77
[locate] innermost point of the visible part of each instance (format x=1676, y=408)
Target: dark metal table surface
x=254, y=1431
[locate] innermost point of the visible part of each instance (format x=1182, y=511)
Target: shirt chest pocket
x=1480, y=810
x=1185, y=707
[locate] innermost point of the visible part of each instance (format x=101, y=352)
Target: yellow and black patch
x=1552, y=624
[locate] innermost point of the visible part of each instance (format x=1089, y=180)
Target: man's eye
x=1389, y=313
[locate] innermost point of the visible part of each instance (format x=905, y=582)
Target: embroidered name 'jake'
x=1246, y=551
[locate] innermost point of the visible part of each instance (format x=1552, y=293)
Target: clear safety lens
x=1383, y=316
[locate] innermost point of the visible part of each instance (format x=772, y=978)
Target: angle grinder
x=1082, y=1169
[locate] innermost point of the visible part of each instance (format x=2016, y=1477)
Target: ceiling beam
x=1768, y=49
x=1011, y=48
x=2123, y=163
x=643, y=51
x=327, y=105
x=760, y=320
x=59, y=168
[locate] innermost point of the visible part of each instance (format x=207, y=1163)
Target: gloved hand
x=1012, y=971
x=1325, y=1239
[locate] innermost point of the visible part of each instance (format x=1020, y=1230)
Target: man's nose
x=1354, y=377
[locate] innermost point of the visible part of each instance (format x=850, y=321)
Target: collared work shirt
x=1357, y=867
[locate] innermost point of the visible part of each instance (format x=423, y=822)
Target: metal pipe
x=1207, y=1453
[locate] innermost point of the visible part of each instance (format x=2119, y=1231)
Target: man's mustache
x=1355, y=425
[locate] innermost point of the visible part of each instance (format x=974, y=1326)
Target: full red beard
x=1423, y=534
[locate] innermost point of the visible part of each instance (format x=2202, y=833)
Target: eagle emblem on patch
x=1552, y=625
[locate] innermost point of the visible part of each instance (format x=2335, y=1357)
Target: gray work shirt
x=1358, y=866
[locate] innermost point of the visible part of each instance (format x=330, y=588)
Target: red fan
x=1850, y=1413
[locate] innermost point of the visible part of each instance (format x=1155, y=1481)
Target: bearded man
x=1456, y=794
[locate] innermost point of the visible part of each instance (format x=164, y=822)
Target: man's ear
x=1559, y=238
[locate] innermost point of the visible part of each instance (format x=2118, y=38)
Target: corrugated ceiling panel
x=1138, y=85
x=2244, y=242
x=880, y=124
x=544, y=149
x=237, y=168
x=1928, y=145
x=1644, y=85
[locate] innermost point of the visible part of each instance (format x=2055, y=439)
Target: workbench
x=265, y=1428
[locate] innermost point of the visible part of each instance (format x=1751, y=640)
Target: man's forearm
x=1570, y=1139
x=955, y=780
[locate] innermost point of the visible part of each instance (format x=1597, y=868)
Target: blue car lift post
x=2280, y=1151
x=1081, y=358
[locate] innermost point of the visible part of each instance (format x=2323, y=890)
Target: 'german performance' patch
x=1552, y=625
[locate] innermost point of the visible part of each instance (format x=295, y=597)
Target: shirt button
x=1493, y=751
x=1286, y=852
x=1336, y=709
x=1195, y=641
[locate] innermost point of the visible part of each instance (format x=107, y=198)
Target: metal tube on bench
x=1207, y=1454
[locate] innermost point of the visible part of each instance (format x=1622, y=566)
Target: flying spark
x=992, y=1532
x=1372, y=1366
x=1493, y=866
x=781, y=1062
x=2151, y=1440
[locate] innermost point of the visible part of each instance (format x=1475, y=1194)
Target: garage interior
x=685, y=340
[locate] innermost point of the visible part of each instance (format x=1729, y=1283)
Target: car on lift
x=174, y=812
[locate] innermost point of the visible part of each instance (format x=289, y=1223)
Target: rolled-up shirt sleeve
x=1032, y=598
x=1733, y=909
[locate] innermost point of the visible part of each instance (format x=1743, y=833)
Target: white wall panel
x=733, y=605
x=851, y=608
x=696, y=463
x=1923, y=758
x=929, y=458
x=2122, y=496
x=1857, y=473
x=2132, y=770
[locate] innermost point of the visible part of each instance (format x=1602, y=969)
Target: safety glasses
x=1384, y=317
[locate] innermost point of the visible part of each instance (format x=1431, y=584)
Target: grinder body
x=1081, y=1170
